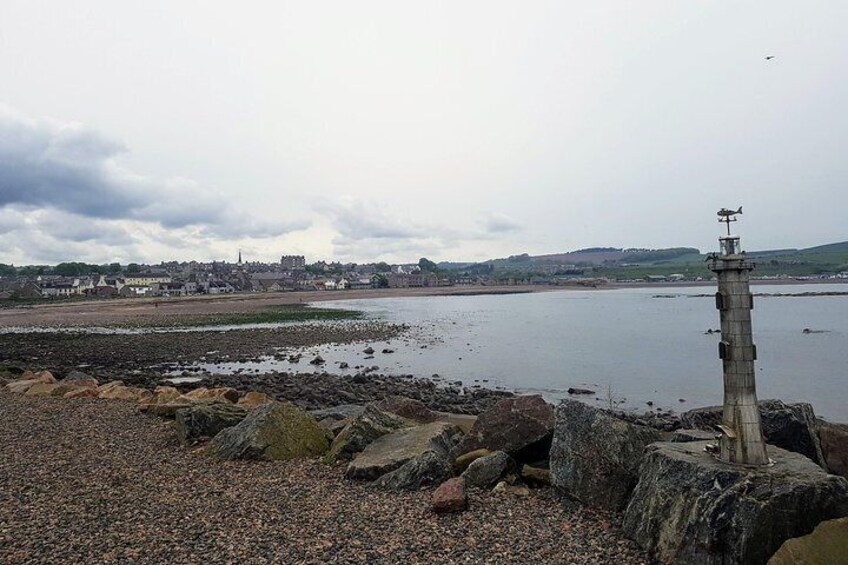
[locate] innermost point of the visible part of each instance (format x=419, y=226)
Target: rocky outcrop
x=341, y=412
x=788, y=426
x=408, y=408
x=521, y=426
x=393, y=450
x=827, y=545
x=430, y=468
x=486, y=471
x=834, y=445
x=373, y=423
x=205, y=420
x=253, y=399
x=689, y=507
x=684, y=435
x=595, y=457
x=450, y=497
x=271, y=432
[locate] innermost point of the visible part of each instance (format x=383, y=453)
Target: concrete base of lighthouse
x=689, y=507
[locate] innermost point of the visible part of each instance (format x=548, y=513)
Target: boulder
x=223, y=394
x=462, y=462
x=521, y=426
x=788, y=426
x=206, y=420
x=271, y=432
x=78, y=376
x=45, y=377
x=683, y=435
x=358, y=434
x=41, y=389
x=430, y=468
x=21, y=386
x=827, y=545
x=450, y=497
x=387, y=453
x=535, y=475
x=688, y=507
x=595, y=457
x=59, y=389
x=253, y=399
x=81, y=382
x=83, y=392
x=407, y=408
x=334, y=427
x=128, y=393
x=834, y=444
x=487, y=471
x=109, y=385
x=161, y=395
x=341, y=412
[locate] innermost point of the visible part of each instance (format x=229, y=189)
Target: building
x=293, y=262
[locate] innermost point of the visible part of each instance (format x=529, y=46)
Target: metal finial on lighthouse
x=742, y=436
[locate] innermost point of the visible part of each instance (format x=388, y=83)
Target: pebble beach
x=95, y=481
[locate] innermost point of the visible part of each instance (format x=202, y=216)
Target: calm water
x=640, y=344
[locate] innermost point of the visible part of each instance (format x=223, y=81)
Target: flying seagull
x=770, y=57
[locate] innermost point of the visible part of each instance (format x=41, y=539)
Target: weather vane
x=727, y=216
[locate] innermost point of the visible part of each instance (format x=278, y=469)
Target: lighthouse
x=741, y=431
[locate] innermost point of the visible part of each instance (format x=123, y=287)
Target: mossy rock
x=271, y=432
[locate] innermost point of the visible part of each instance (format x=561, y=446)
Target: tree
x=7, y=270
x=133, y=268
x=383, y=267
x=427, y=266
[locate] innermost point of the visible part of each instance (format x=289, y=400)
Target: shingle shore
x=96, y=481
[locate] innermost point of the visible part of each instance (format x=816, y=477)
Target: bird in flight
x=770, y=57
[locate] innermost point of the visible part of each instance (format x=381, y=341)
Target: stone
x=683, y=435
x=595, y=456
x=83, y=392
x=430, y=468
x=89, y=382
x=161, y=395
x=272, y=432
x=21, y=386
x=689, y=507
x=521, y=426
x=580, y=391
x=487, y=471
x=827, y=545
x=41, y=389
x=788, y=426
x=334, y=427
x=504, y=487
x=450, y=497
x=373, y=423
x=536, y=475
x=206, y=420
x=462, y=462
x=224, y=394
x=167, y=410
x=341, y=412
x=407, y=408
x=128, y=393
x=110, y=384
x=834, y=445
x=388, y=452
x=253, y=399
x=45, y=377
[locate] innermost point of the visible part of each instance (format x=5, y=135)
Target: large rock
x=691, y=508
x=789, y=426
x=450, y=497
x=407, y=408
x=834, y=444
x=595, y=457
x=128, y=393
x=521, y=426
x=462, y=462
x=341, y=412
x=223, y=394
x=253, y=399
x=827, y=545
x=371, y=424
x=205, y=420
x=389, y=452
x=41, y=389
x=58, y=389
x=278, y=431
x=430, y=468
x=486, y=471
x=21, y=386
x=162, y=395
x=76, y=375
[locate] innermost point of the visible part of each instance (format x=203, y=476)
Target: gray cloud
x=500, y=223
x=70, y=168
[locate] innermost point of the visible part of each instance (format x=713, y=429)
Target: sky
x=367, y=131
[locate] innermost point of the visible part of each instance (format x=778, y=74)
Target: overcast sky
x=158, y=130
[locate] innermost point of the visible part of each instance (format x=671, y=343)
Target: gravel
x=92, y=481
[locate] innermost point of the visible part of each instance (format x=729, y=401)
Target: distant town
x=591, y=267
